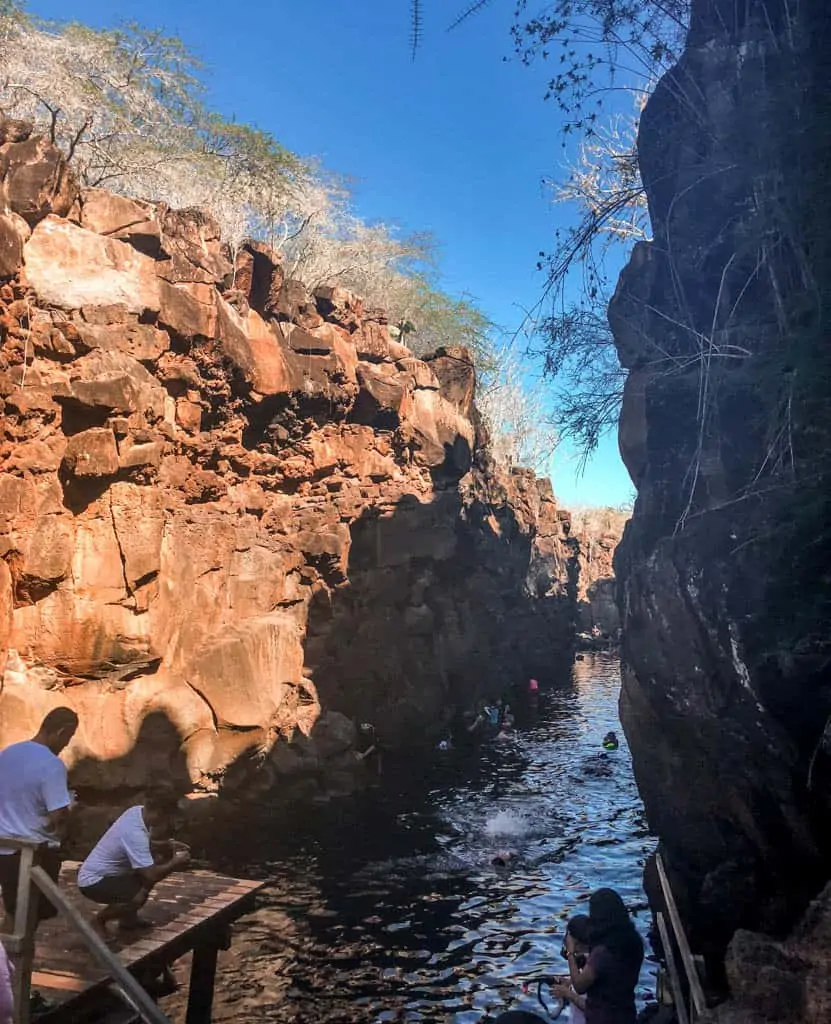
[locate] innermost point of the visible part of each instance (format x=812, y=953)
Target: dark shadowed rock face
x=724, y=598
x=233, y=512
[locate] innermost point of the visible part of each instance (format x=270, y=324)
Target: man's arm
x=58, y=823
x=57, y=800
x=150, y=876
x=582, y=981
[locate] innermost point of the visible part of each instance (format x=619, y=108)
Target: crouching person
x=122, y=868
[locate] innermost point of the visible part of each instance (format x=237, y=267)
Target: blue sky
x=456, y=142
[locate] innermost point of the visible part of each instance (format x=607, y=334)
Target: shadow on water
x=388, y=907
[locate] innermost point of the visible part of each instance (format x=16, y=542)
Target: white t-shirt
x=124, y=847
x=32, y=785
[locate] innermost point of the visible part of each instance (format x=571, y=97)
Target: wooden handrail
x=696, y=991
x=131, y=989
x=16, y=843
x=672, y=968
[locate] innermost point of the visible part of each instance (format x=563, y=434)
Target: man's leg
x=51, y=861
x=9, y=870
x=122, y=896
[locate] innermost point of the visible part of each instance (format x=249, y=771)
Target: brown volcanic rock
x=34, y=178
x=14, y=231
x=121, y=218
x=210, y=510
x=69, y=267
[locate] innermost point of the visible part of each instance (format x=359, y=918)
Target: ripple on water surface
x=387, y=907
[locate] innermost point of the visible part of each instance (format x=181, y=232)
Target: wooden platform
x=190, y=910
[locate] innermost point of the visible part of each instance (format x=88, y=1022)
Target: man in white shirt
x=122, y=868
x=34, y=805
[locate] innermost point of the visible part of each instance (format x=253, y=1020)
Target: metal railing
x=692, y=1007
x=20, y=944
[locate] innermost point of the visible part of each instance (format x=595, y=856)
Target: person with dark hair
x=34, y=805
x=611, y=972
x=122, y=869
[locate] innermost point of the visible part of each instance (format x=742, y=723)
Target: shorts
x=48, y=859
x=115, y=889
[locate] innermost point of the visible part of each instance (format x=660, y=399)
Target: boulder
x=334, y=734
x=121, y=218
x=258, y=274
x=454, y=369
x=69, y=267
x=112, y=382
x=339, y=306
x=193, y=246
x=188, y=310
x=35, y=180
x=255, y=350
x=93, y=452
x=380, y=399
x=294, y=305
x=14, y=231
x=372, y=342
x=143, y=342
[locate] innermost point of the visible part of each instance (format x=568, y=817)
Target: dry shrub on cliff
x=126, y=106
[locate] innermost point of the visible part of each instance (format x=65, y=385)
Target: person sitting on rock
x=610, y=741
x=371, y=754
x=121, y=870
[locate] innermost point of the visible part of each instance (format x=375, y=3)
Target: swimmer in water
x=503, y=858
x=507, y=731
x=610, y=741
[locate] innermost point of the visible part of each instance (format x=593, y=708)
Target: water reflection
x=387, y=906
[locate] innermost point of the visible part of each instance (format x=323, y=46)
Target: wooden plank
x=131, y=989
x=674, y=980
x=201, y=986
x=59, y=980
x=25, y=925
x=696, y=991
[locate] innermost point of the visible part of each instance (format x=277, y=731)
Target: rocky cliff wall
x=723, y=571
x=232, y=512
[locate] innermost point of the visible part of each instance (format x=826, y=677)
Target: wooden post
x=25, y=925
x=696, y=991
x=201, y=986
x=672, y=967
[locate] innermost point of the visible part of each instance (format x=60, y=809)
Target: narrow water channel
x=386, y=907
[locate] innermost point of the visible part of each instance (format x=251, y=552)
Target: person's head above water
x=610, y=741
x=533, y=685
x=503, y=858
